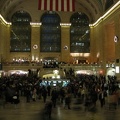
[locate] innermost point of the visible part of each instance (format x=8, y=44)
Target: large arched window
x=50, y=38
x=79, y=33
x=20, y=32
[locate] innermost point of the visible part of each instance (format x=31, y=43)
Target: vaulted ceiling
x=93, y=8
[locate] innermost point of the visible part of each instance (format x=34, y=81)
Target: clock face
x=115, y=38
x=65, y=47
x=35, y=46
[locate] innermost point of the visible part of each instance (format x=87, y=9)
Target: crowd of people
x=88, y=88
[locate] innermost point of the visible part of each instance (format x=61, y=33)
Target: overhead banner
x=57, y=5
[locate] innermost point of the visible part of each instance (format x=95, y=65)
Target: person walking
x=28, y=94
x=102, y=98
x=67, y=100
x=48, y=109
x=62, y=95
x=54, y=96
x=34, y=94
x=16, y=99
x=44, y=94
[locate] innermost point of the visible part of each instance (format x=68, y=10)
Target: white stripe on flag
x=71, y=5
x=42, y=5
x=48, y=4
x=65, y=5
x=54, y=5
x=59, y=5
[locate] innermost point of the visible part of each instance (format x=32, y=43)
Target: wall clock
x=35, y=46
x=115, y=38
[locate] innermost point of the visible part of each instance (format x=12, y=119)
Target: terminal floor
x=34, y=111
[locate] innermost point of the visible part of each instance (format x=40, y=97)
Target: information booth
x=55, y=82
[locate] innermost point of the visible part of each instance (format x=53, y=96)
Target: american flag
x=57, y=5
